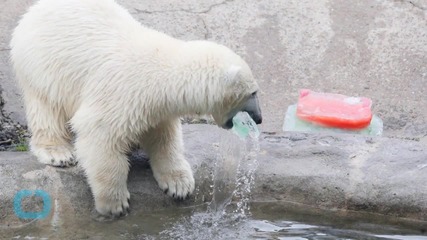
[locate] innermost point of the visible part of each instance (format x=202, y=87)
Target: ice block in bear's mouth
x=244, y=125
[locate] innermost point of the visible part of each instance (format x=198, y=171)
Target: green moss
x=21, y=147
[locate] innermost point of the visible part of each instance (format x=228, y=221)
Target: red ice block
x=334, y=110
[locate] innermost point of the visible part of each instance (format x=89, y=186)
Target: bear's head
x=221, y=83
x=240, y=93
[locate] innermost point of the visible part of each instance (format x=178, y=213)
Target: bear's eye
x=254, y=93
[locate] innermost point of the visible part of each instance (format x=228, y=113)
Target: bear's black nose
x=258, y=120
x=256, y=117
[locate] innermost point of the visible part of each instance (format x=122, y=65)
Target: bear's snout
x=257, y=118
x=253, y=109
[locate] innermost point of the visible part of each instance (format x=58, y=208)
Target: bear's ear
x=231, y=73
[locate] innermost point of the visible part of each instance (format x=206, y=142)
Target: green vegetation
x=21, y=145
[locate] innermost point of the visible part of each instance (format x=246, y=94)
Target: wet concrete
x=341, y=173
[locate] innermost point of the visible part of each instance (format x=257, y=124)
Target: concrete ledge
x=377, y=175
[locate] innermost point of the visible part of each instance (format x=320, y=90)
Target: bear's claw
x=57, y=155
x=125, y=210
x=113, y=215
x=112, y=206
x=123, y=213
x=180, y=198
x=177, y=185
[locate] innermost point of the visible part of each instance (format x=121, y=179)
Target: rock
x=382, y=175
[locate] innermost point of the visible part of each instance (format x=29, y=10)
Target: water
x=272, y=221
x=266, y=221
x=233, y=179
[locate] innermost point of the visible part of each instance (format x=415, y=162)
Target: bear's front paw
x=177, y=182
x=113, y=204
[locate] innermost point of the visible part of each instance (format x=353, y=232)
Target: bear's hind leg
x=51, y=139
x=164, y=146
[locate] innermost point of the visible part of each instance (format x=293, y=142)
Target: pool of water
x=265, y=221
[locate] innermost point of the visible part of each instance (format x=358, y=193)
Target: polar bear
x=90, y=73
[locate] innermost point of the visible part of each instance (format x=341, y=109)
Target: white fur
x=90, y=65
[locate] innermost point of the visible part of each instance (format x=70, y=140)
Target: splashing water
x=234, y=176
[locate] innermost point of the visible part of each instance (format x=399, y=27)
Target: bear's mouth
x=229, y=124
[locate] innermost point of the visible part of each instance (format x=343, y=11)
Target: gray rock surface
x=12, y=116
x=363, y=174
x=10, y=11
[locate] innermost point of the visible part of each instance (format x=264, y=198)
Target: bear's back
x=58, y=46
